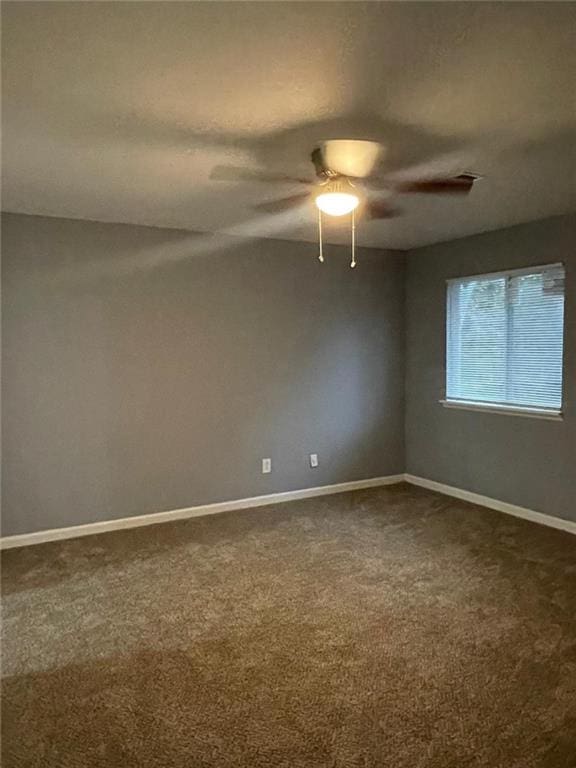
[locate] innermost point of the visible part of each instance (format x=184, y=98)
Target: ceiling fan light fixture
x=337, y=198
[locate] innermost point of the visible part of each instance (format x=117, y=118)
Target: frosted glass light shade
x=337, y=203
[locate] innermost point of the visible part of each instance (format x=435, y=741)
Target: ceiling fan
x=346, y=182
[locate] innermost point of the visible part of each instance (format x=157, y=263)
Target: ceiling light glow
x=337, y=197
x=337, y=203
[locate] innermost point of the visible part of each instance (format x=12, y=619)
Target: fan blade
x=457, y=185
x=380, y=209
x=283, y=204
x=237, y=173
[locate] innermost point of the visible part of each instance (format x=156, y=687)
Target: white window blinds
x=505, y=338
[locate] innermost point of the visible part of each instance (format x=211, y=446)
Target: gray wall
x=523, y=461
x=149, y=369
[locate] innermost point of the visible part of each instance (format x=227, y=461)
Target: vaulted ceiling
x=119, y=111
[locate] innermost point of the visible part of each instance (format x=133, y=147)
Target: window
x=505, y=338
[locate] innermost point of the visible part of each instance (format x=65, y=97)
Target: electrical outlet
x=266, y=466
x=313, y=460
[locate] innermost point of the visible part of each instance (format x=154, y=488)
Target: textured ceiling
x=119, y=111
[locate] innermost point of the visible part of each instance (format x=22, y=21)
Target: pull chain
x=353, y=262
x=320, y=255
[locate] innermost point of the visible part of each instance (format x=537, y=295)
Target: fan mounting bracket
x=321, y=171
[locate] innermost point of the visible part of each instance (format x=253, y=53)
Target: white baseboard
x=499, y=506
x=89, y=529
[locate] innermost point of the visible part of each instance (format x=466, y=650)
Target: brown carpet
x=391, y=627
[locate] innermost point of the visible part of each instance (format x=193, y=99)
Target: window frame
x=552, y=414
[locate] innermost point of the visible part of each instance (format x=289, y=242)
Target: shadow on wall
x=176, y=247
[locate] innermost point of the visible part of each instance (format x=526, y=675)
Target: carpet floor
x=389, y=627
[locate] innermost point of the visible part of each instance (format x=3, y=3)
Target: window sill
x=510, y=410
